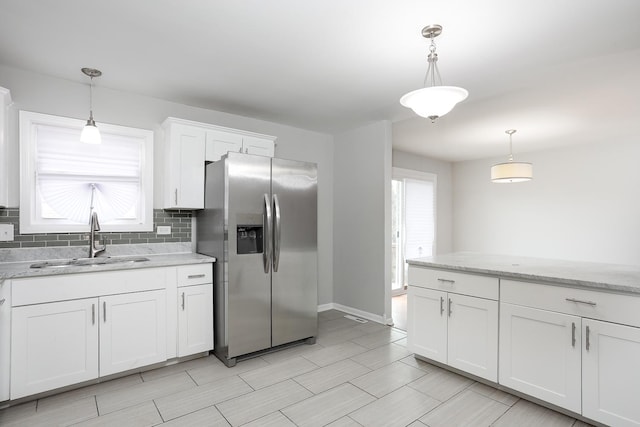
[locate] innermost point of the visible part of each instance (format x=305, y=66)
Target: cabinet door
x=427, y=323
x=611, y=373
x=195, y=319
x=185, y=167
x=473, y=335
x=220, y=143
x=540, y=354
x=133, y=331
x=259, y=146
x=53, y=345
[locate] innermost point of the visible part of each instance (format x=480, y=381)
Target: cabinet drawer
x=38, y=290
x=196, y=274
x=459, y=283
x=624, y=309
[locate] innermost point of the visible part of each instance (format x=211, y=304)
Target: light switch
x=163, y=229
x=6, y=232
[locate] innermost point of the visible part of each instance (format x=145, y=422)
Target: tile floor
x=355, y=375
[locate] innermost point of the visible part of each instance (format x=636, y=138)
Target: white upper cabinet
x=5, y=101
x=222, y=140
x=184, y=172
x=188, y=145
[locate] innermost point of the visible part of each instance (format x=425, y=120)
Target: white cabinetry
x=195, y=311
x=5, y=339
x=453, y=319
x=575, y=348
x=53, y=345
x=184, y=172
x=67, y=329
x=132, y=331
x=222, y=140
x=611, y=373
x=5, y=101
x=189, y=144
x=540, y=354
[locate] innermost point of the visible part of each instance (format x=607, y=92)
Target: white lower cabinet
x=540, y=354
x=195, y=319
x=62, y=343
x=426, y=323
x=574, y=348
x=473, y=335
x=458, y=330
x=611, y=373
x=53, y=345
x=133, y=331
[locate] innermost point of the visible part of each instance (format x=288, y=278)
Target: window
x=413, y=221
x=62, y=181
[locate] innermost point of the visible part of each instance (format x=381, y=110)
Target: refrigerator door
x=248, y=281
x=294, y=300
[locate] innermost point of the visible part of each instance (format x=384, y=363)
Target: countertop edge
x=538, y=278
x=17, y=270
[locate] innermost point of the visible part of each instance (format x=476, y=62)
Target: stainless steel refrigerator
x=260, y=222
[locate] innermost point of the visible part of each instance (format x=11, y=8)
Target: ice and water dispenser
x=249, y=239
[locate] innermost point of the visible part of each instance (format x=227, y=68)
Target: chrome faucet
x=93, y=227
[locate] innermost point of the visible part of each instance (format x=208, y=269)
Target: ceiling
x=560, y=72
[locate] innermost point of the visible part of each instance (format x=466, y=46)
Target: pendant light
x=434, y=100
x=511, y=171
x=90, y=133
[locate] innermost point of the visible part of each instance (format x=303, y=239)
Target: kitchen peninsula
x=564, y=333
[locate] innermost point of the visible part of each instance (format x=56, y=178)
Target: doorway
x=412, y=231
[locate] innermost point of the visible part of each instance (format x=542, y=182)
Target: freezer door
x=294, y=280
x=249, y=282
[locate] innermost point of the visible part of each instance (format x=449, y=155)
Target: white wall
x=362, y=176
x=44, y=94
x=583, y=204
x=444, y=193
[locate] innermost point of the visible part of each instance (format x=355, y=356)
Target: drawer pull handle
x=573, y=334
x=446, y=281
x=104, y=311
x=588, y=341
x=93, y=314
x=449, y=307
x=441, y=306
x=183, y=301
x=195, y=276
x=591, y=303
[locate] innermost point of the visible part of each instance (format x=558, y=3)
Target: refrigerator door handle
x=276, y=233
x=266, y=241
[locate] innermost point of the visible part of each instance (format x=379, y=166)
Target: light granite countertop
x=603, y=277
x=17, y=263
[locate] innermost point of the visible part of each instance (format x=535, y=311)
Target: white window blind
x=419, y=218
x=68, y=179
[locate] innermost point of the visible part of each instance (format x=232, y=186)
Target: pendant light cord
x=432, y=78
x=91, y=99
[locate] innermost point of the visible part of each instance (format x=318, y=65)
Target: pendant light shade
x=90, y=133
x=510, y=172
x=434, y=100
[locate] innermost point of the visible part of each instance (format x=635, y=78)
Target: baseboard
x=356, y=312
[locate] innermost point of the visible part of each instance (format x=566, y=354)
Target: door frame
x=401, y=174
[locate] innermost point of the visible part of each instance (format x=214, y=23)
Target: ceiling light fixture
x=434, y=100
x=511, y=171
x=90, y=133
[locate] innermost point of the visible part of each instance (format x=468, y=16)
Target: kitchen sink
x=84, y=262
